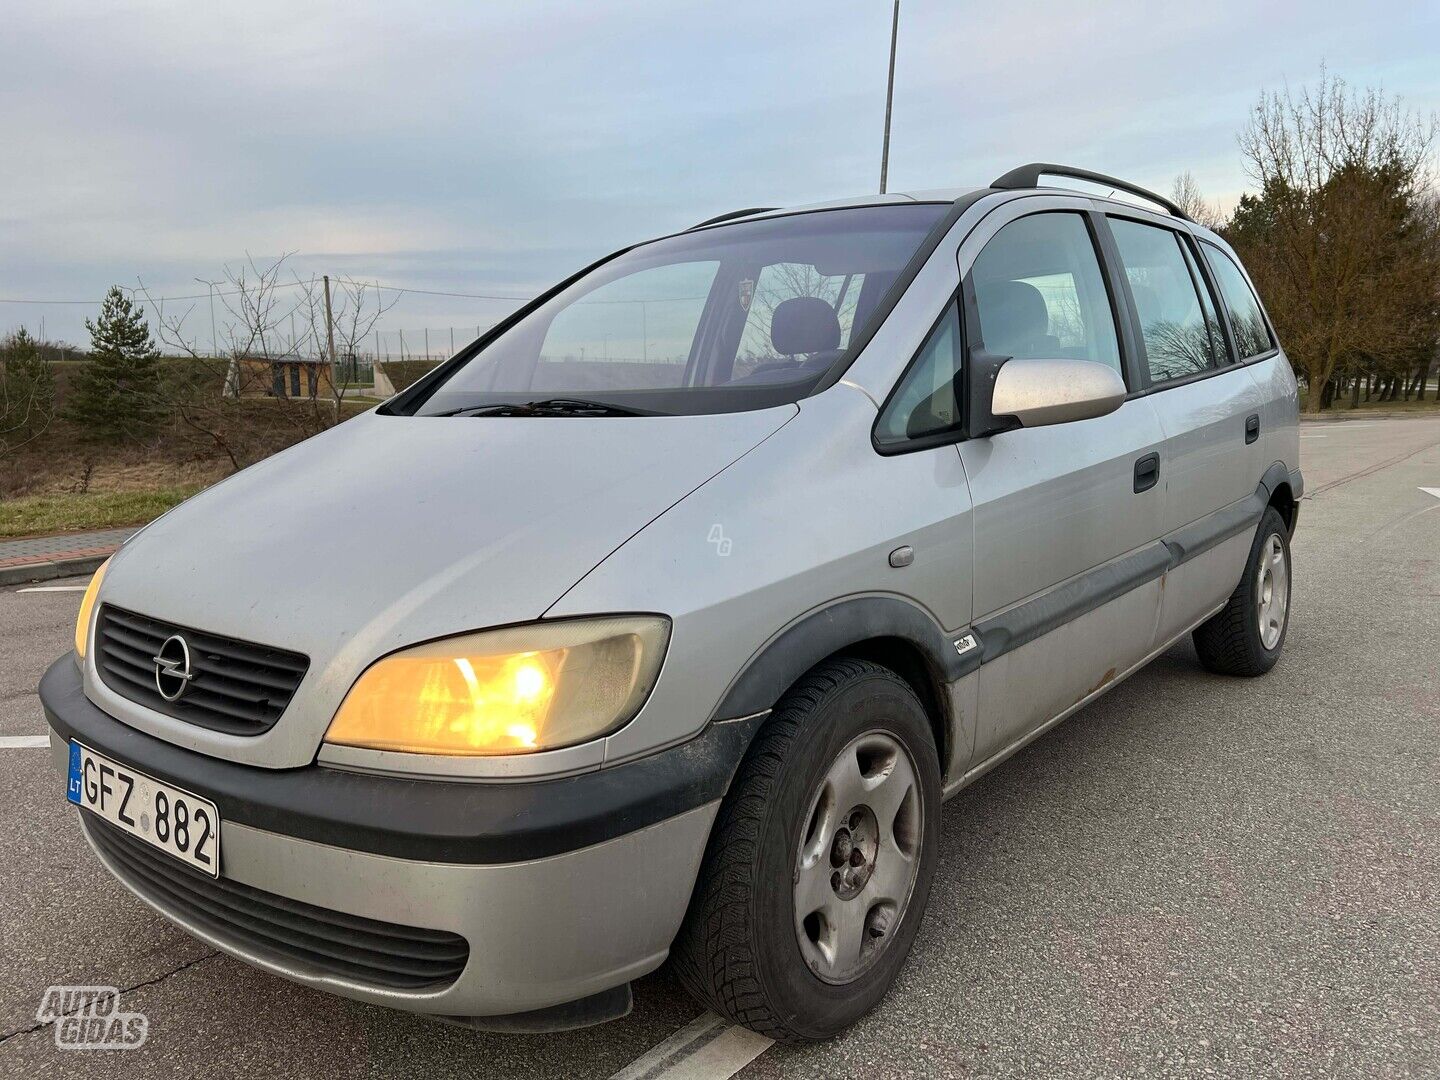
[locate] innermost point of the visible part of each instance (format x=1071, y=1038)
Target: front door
x=1066, y=518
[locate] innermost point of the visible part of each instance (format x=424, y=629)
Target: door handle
x=1147, y=472
x=1252, y=427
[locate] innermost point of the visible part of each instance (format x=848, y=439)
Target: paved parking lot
x=1192, y=876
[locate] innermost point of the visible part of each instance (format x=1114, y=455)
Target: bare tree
x=355, y=308
x=1344, y=237
x=241, y=397
x=1185, y=193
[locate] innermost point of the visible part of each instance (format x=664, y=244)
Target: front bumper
x=550, y=914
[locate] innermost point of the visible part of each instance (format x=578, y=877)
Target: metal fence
x=432, y=343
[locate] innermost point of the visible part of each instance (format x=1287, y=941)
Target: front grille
x=238, y=687
x=362, y=950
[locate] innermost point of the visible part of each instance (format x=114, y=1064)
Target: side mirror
x=1041, y=392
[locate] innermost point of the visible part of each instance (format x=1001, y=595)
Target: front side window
x=744, y=315
x=925, y=403
x=1181, y=334
x=1039, y=293
x=1252, y=335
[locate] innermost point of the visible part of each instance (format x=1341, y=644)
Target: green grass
x=36, y=515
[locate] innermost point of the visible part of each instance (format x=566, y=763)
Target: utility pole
x=330, y=330
x=232, y=369
x=889, y=97
x=214, y=338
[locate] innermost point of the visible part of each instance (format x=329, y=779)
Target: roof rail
x=733, y=214
x=1028, y=176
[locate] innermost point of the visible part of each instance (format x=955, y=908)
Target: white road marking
x=23, y=742
x=1314, y=436
x=1431, y=491
x=706, y=1049
x=54, y=588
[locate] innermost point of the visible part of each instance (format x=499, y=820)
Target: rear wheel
x=819, y=865
x=1246, y=636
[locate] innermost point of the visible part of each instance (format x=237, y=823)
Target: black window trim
x=1200, y=279
x=1274, y=348
x=860, y=338
x=1127, y=324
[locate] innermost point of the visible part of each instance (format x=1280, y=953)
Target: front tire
x=1245, y=637
x=819, y=866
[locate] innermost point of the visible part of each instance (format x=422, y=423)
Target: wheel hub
x=1272, y=591
x=853, y=852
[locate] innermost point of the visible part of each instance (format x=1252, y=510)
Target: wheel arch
x=886, y=630
x=1282, y=489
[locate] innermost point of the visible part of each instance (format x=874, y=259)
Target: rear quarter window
x=1252, y=333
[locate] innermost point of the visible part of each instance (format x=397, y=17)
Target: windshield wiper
x=547, y=407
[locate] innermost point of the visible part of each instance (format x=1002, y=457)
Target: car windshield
x=740, y=316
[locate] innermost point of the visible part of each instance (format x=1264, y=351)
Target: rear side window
x=1252, y=335
x=1039, y=293
x=1178, y=323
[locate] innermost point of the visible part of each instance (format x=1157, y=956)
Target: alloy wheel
x=858, y=857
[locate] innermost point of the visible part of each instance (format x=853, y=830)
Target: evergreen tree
x=27, y=390
x=117, y=395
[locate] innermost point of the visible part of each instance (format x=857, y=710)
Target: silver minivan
x=660, y=620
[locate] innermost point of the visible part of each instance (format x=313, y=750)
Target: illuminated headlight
x=87, y=609
x=512, y=691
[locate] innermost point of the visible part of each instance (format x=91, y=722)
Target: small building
x=295, y=377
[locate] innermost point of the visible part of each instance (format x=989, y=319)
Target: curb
x=45, y=571
x=1346, y=416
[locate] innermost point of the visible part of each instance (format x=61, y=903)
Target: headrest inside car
x=804, y=324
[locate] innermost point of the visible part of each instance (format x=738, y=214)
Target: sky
x=494, y=148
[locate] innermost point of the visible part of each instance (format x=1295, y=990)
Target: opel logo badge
x=172, y=668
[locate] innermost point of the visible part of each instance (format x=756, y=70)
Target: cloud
x=462, y=144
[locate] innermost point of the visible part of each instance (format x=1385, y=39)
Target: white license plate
x=177, y=822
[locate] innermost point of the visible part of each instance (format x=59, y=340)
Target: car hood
x=390, y=530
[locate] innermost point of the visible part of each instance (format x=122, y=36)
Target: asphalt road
x=1192, y=876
